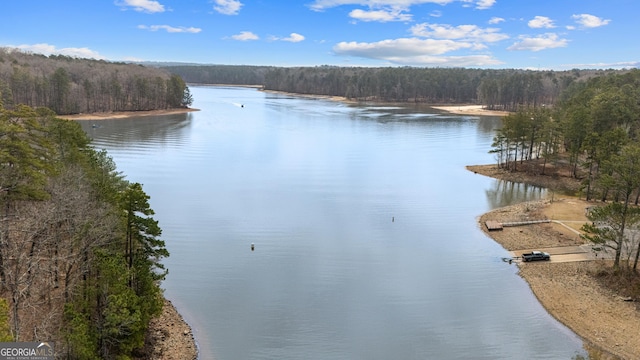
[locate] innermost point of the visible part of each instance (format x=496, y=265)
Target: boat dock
x=493, y=225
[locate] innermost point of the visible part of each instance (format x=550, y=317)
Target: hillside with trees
x=69, y=85
x=79, y=249
x=505, y=89
x=593, y=134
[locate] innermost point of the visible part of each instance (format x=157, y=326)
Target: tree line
x=79, y=249
x=594, y=130
x=504, y=89
x=69, y=85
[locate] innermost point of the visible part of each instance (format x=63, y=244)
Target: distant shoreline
x=463, y=109
x=477, y=110
x=312, y=96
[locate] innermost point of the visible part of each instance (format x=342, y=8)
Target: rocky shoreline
x=169, y=337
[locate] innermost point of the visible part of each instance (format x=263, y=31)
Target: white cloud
x=496, y=20
x=294, y=37
x=380, y=15
x=480, y=4
x=539, y=22
x=590, y=21
x=435, y=13
x=321, y=5
x=398, y=48
x=227, y=7
x=541, y=42
x=614, y=65
x=245, y=36
x=429, y=44
x=412, y=51
x=170, y=29
x=461, y=32
x=484, y=4
x=47, y=49
x=148, y=6
x=447, y=61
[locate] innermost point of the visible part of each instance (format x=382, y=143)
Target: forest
x=69, y=85
x=593, y=130
x=504, y=89
x=80, y=253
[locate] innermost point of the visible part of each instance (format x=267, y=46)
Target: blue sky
x=527, y=34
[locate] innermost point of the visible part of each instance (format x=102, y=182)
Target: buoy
x=393, y=219
x=252, y=247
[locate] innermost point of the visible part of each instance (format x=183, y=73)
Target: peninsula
x=579, y=292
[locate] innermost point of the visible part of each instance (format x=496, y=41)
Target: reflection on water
x=506, y=192
x=364, y=224
x=138, y=130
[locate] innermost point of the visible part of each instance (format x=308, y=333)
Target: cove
x=364, y=225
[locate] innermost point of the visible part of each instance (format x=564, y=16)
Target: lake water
x=364, y=221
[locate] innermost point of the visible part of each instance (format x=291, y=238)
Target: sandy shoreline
x=477, y=110
x=570, y=291
x=470, y=110
x=124, y=114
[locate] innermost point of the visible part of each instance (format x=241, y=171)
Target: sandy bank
x=569, y=291
x=124, y=114
x=477, y=110
x=471, y=110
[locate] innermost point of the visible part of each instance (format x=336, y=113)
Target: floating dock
x=493, y=225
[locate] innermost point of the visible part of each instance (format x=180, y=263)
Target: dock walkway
x=493, y=225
